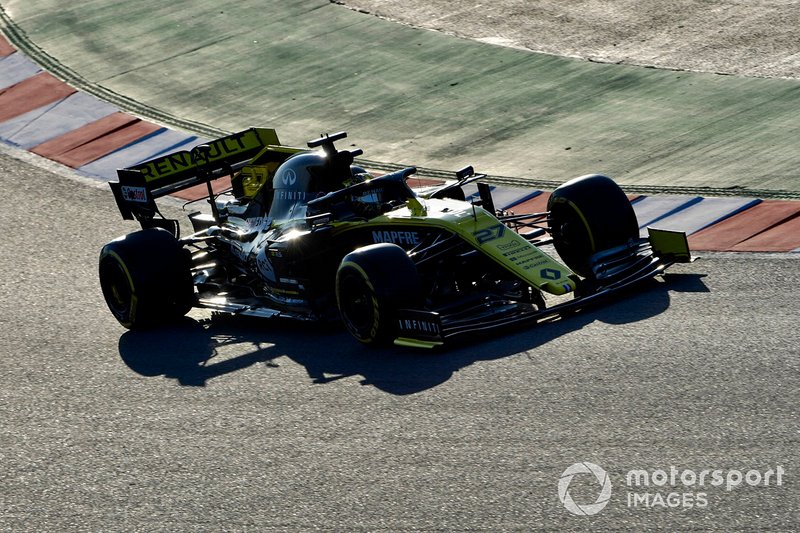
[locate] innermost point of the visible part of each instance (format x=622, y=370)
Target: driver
x=309, y=175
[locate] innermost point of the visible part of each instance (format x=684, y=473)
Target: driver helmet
x=305, y=176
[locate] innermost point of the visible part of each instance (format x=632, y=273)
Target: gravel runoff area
x=756, y=38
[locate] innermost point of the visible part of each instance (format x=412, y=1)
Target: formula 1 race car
x=309, y=235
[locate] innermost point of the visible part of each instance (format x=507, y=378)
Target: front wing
x=614, y=270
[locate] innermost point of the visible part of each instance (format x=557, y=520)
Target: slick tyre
x=372, y=283
x=587, y=215
x=145, y=279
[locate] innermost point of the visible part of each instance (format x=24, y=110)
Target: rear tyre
x=372, y=283
x=145, y=278
x=587, y=215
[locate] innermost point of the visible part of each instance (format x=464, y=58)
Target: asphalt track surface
x=224, y=425
x=218, y=425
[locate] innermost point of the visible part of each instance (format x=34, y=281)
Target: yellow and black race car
x=309, y=235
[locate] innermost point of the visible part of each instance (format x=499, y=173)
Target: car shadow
x=193, y=352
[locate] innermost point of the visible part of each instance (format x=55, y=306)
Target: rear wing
x=141, y=184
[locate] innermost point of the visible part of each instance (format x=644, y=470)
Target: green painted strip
x=411, y=96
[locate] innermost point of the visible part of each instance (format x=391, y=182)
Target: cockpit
x=304, y=177
x=287, y=184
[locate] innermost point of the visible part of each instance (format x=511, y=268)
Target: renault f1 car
x=309, y=235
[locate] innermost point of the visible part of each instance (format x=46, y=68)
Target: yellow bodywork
x=487, y=234
x=670, y=244
x=263, y=166
x=219, y=149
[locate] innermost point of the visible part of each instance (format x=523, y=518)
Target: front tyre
x=587, y=215
x=372, y=283
x=145, y=278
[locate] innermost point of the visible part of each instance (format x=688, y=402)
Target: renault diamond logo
x=550, y=273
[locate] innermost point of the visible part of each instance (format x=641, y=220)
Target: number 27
x=490, y=233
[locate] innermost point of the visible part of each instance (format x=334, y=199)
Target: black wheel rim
x=116, y=287
x=356, y=304
x=571, y=237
